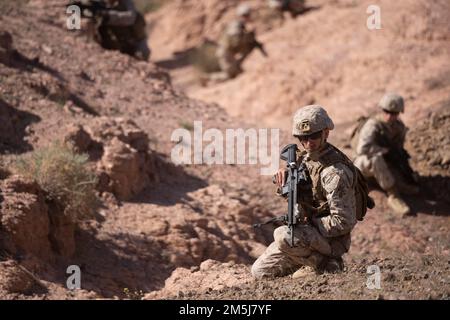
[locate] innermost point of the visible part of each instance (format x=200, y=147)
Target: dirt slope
x=66, y=80
x=191, y=226
x=329, y=56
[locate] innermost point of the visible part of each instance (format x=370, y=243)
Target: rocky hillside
x=327, y=55
x=160, y=230
x=153, y=216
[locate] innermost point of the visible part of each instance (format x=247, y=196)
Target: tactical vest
x=386, y=135
x=333, y=156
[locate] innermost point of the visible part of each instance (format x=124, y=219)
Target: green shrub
x=186, y=125
x=146, y=6
x=204, y=58
x=64, y=176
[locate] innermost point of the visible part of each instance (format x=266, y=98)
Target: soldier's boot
x=303, y=272
x=407, y=188
x=333, y=265
x=397, y=204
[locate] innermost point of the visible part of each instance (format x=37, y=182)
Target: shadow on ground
x=108, y=266
x=179, y=59
x=13, y=128
x=432, y=198
x=172, y=186
x=25, y=64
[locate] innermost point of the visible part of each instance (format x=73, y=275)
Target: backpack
x=354, y=136
x=362, y=199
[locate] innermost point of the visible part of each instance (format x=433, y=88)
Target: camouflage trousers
x=229, y=65
x=376, y=167
x=280, y=259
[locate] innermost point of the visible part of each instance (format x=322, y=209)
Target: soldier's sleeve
x=367, y=139
x=399, y=140
x=337, y=182
x=123, y=18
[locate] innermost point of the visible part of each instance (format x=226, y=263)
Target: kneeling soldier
x=324, y=236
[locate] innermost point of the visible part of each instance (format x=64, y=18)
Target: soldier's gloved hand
x=280, y=177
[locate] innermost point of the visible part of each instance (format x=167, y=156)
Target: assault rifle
x=254, y=43
x=297, y=178
x=398, y=157
x=258, y=45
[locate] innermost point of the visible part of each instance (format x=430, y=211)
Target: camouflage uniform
x=370, y=154
x=331, y=206
x=233, y=48
x=123, y=28
x=369, y=147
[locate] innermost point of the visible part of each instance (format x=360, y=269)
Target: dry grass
x=204, y=58
x=63, y=175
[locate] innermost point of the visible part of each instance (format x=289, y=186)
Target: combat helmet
x=392, y=102
x=311, y=119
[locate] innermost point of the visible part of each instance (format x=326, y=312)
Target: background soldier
x=378, y=144
x=118, y=26
x=322, y=239
x=235, y=45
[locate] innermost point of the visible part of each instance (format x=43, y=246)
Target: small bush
x=64, y=176
x=204, y=58
x=186, y=125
